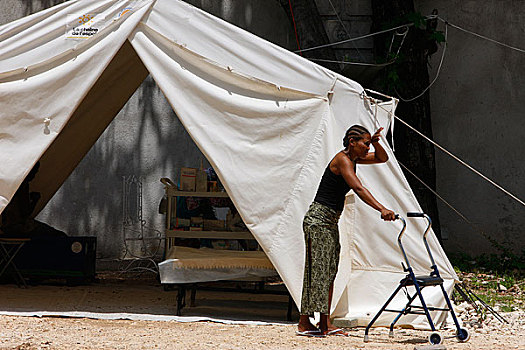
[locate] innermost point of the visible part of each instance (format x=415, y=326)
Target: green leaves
x=417, y=19
x=437, y=36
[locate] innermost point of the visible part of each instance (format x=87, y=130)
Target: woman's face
x=362, y=146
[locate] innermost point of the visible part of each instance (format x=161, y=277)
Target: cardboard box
x=182, y=222
x=197, y=221
x=188, y=179
x=212, y=186
x=214, y=225
x=201, y=183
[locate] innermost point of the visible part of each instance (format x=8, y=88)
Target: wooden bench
x=187, y=269
x=192, y=269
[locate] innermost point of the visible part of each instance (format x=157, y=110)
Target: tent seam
x=228, y=68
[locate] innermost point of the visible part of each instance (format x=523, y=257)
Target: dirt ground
x=63, y=333
x=24, y=332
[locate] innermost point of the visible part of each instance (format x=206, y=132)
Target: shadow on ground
x=142, y=296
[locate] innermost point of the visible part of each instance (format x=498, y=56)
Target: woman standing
x=320, y=225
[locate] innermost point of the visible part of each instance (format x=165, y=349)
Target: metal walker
x=420, y=282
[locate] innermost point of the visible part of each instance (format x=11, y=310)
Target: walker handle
x=399, y=217
x=429, y=224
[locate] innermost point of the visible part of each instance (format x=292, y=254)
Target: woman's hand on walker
x=388, y=215
x=376, y=136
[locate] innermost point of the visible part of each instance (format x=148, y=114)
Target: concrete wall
x=478, y=114
x=145, y=140
x=345, y=19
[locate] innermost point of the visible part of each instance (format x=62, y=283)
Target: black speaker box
x=70, y=258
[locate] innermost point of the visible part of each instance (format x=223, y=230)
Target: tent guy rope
x=356, y=38
x=462, y=162
x=353, y=63
x=449, y=153
x=435, y=78
x=481, y=36
x=408, y=25
x=454, y=209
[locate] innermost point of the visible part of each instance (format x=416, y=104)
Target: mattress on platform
x=191, y=265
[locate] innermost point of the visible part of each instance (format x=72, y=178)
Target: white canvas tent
x=268, y=120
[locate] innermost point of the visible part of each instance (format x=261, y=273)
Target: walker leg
x=445, y=295
x=381, y=311
x=427, y=313
x=410, y=300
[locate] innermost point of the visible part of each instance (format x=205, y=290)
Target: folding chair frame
x=9, y=248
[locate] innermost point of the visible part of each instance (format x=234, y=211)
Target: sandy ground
x=22, y=332
x=61, y=333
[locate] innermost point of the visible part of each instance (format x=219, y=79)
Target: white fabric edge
x=169, y=274
x=134, y=317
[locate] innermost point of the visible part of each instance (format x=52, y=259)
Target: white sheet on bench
x=190, y=265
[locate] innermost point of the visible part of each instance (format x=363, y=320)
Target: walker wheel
x=391, y=334
x=435, y=338
x=463, y=335
x=366, y=340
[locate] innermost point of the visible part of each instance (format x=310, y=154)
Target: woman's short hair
x=355, y=132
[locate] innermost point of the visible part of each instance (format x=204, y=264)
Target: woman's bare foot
x=337, y=331
x=333, y=330
x=305, y=324
x=330, y=325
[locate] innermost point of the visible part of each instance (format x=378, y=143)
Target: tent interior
x=104, y=100
x=259, y=113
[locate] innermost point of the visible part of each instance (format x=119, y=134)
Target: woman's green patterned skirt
x=321, y=235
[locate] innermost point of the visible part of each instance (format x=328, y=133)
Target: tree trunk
x=310, y=30
x=412, y=150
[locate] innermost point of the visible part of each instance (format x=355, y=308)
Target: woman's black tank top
x=332, y=190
